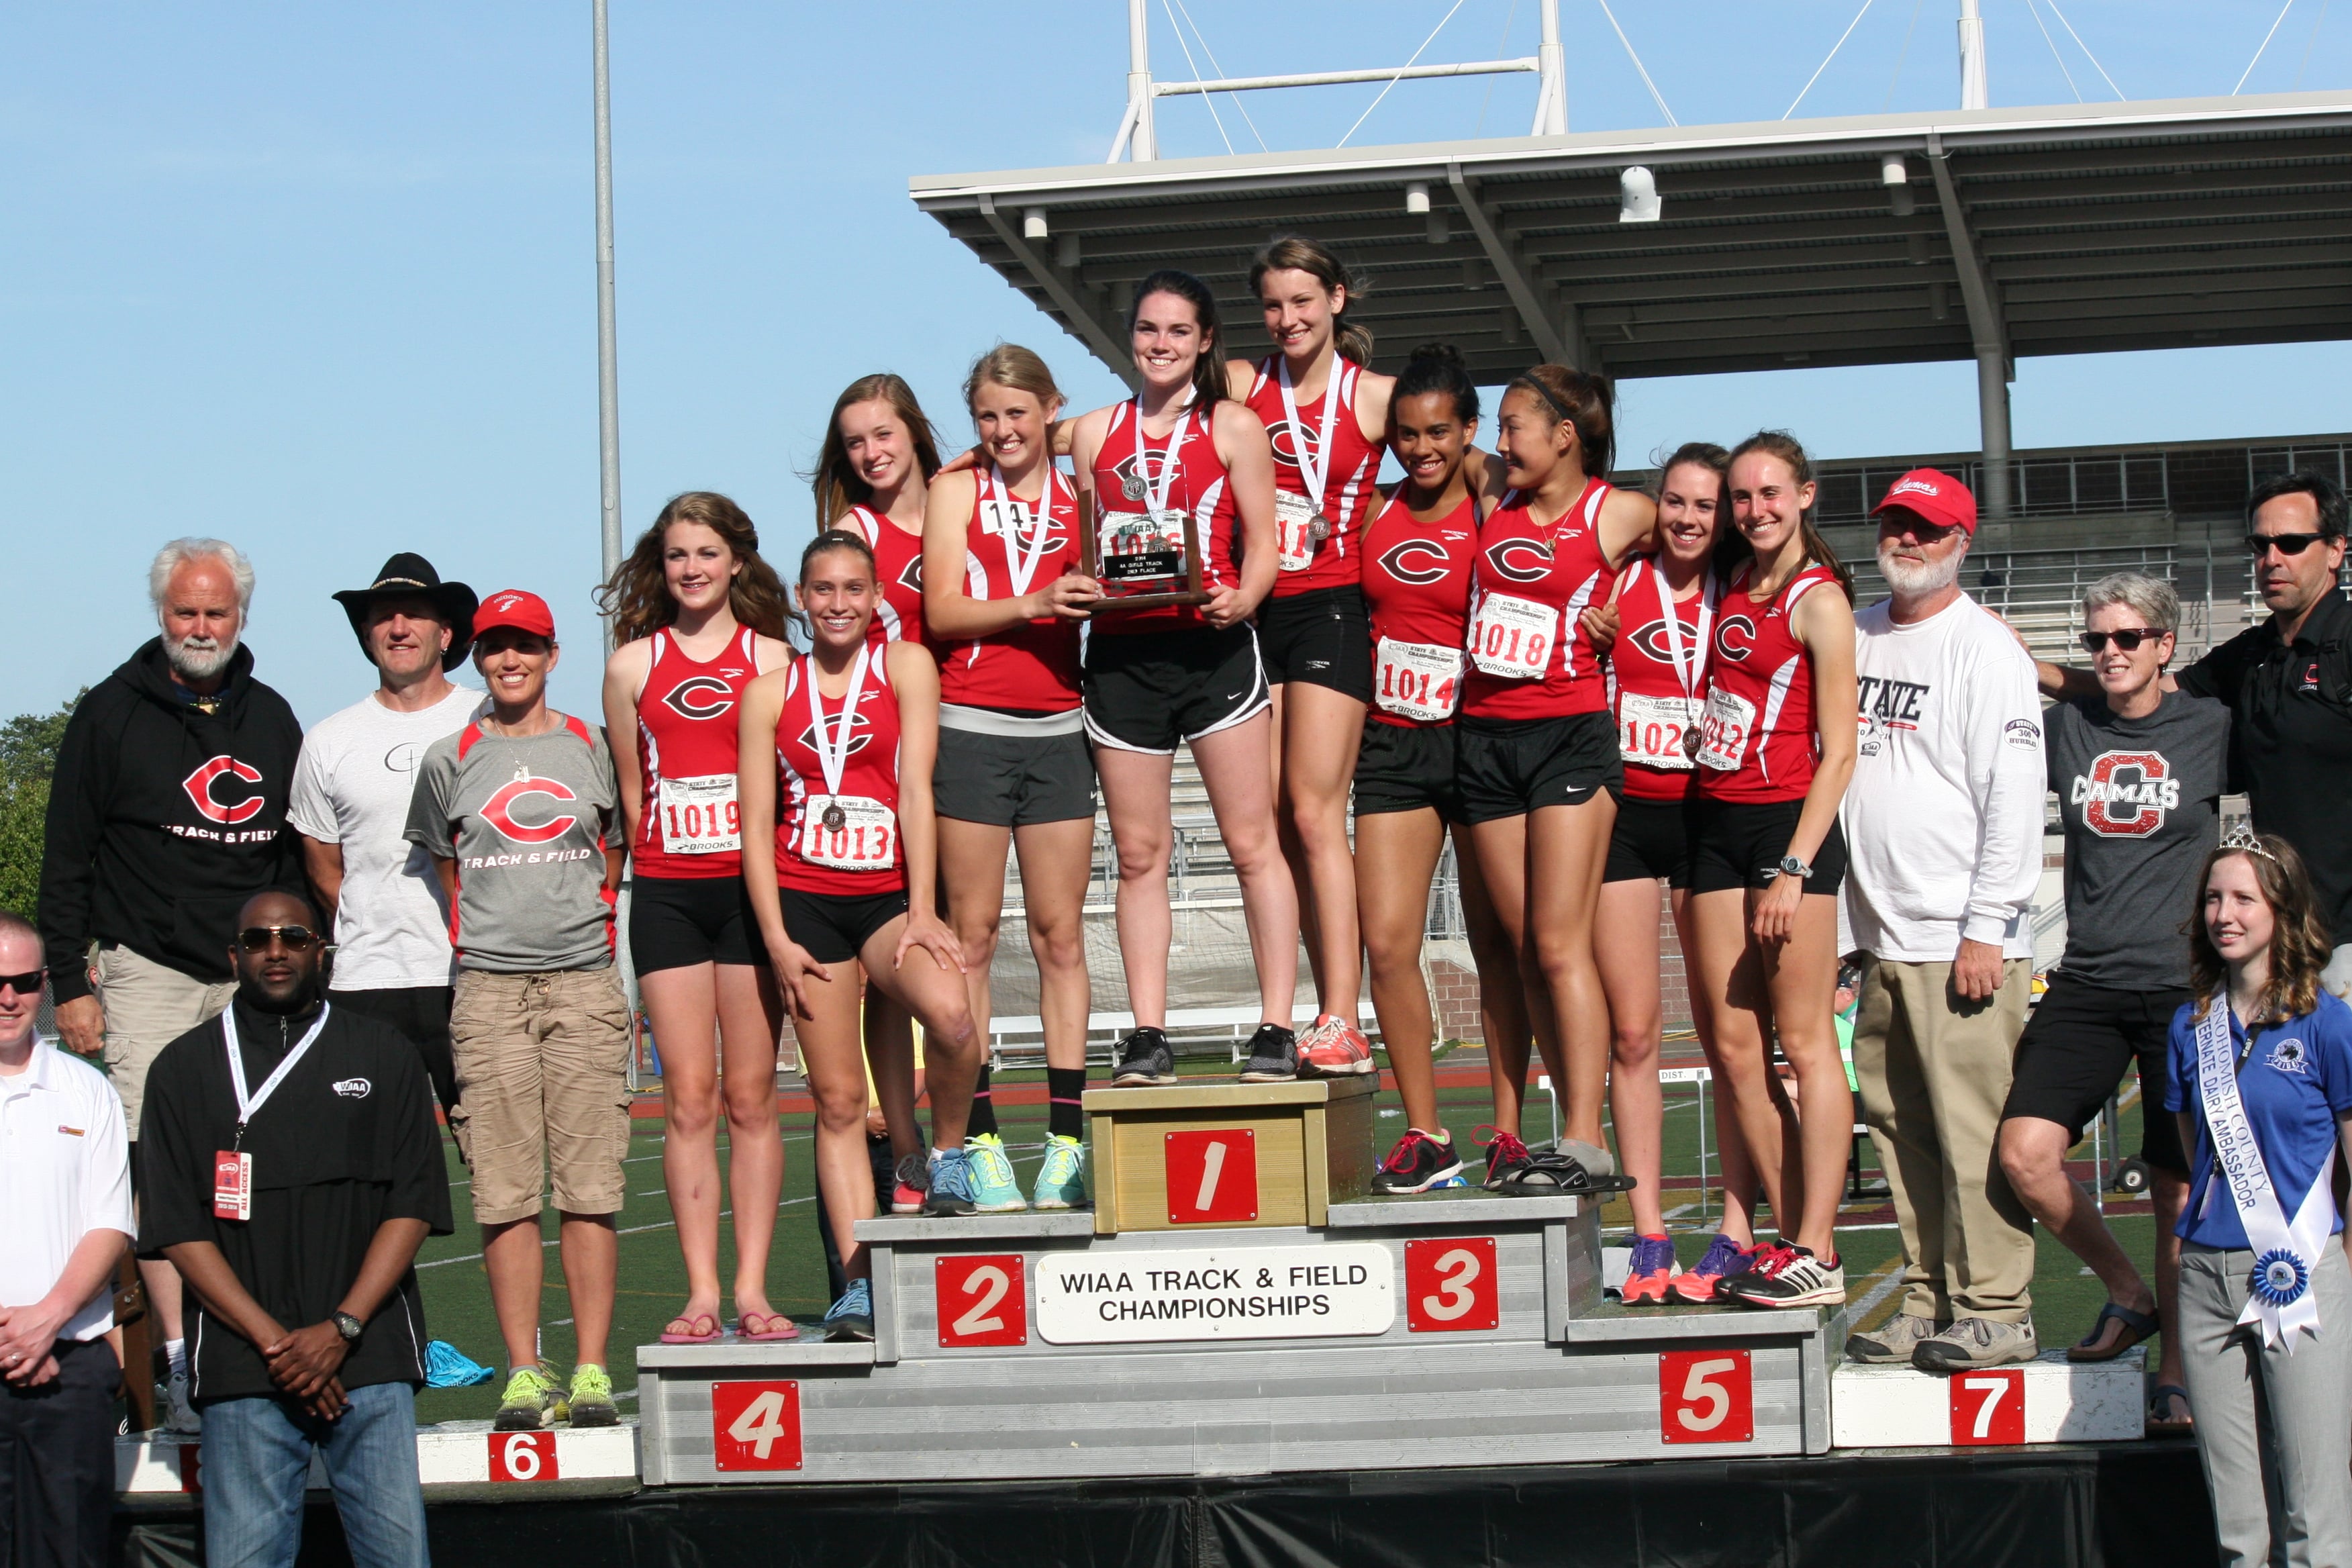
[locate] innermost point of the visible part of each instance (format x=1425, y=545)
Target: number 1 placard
x=1212, y=1177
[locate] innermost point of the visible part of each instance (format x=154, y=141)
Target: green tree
x=28, y=753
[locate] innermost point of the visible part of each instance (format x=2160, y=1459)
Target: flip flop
x=2161, y=1396
x=2137, y=1326
x=766, y=1326
x=673, y=1334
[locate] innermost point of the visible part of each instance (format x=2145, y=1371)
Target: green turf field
x=653, y=1281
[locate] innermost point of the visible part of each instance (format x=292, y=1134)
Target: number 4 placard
x=1705, y=1396
x=755, y=1425
x=982, y=1302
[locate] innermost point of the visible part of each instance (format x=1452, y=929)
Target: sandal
x=2136, y=1327
x=684, y=1330
x=2162, y=1425
x=1549, y=1173
x=766, y=1327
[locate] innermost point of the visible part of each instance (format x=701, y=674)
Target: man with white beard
x=167, y=811
x=1944, y=825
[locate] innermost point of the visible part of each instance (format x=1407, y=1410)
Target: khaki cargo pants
x=542, y=1082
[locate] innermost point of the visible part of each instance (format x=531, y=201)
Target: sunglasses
x=2127, y=638
x=25, y=984
x=294, y=938
x=2284, y=543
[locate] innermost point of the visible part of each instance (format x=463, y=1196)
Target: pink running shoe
x=1333, y=1047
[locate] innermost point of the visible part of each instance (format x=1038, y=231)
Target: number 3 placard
x=755, y=1425
x=1705, y=1396
x=1449, y=1285
x=982, y=1302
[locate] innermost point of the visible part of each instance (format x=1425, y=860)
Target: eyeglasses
x=25, y=984
x=294, y=938
x=2127, y=638
x=2284, y=543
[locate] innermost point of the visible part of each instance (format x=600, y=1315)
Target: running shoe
x=1273, y=1056
x=1892, y=1343
x=1762, y=1261
x=1333, y=1047
x=180, y=1415
x=1653, y=1270
x=851, y=1317
x=533, y=1400
x=914, y=1184
x=1505, y=1155
x=1800, y=1281
x=950, y=1193
x=995, y=1188
x=1696, y=1286
x=1973, y=1342
x=1144, y=1058
x=1062, y=1179
x=1417, y=1163
x=592, y=1397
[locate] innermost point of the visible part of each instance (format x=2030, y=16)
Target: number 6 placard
x=1705, y=1396
x=982, y=1301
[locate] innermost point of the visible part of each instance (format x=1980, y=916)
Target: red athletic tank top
x=692, y=825
x=1759, y=741
x=1031, y=668
x=855, y=849
x=1417, y=592
x=1528, y=657
x=1346, y=464
x=1130, y=474
x=1659, y=669
x=899, y=563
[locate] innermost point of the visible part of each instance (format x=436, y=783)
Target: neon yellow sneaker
x=533, y=1400
x=592, y=1397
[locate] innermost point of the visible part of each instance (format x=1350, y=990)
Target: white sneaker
x=179, y=1416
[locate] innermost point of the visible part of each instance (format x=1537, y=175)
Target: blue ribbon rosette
x=2280, y=1276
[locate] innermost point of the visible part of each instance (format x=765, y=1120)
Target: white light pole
x=1144, y=147
x=608, y=375
x=1551, y=100
x=1973, y=93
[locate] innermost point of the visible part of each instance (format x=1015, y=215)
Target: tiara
x=2243, y=837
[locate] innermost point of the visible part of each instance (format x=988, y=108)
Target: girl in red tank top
x=1767, y=857
x=698, y=615
x=872, y=475
x=843, y=892
x=1539, y=769
x=1005, y=600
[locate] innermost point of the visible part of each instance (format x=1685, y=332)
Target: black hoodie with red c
x=163, y=819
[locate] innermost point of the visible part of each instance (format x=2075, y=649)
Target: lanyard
x=249, y=1104
x=1155, y=497
x=1022, y=565
x=1314, y=467
x=833, y=747
x=1686, y=672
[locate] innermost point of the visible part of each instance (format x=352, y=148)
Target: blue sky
x=320, y=278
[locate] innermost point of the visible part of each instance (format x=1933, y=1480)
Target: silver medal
x=1133, y=487
x=1691, y=741
x=1318, y=528
x=835, y=818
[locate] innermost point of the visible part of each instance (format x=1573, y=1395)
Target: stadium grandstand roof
x=1985, y=234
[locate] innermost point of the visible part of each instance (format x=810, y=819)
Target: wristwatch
x=1791, y=866
x=347, y=1326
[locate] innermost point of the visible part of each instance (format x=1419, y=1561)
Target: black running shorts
x=1509, y=767
x=1408, y=767
x=1012, y=780
x=1321, y=637
x=1148, y=690
x=675, y=921
x=2074, y=1053
x=1735, y=842
x=1651, y=840
x=834, y=927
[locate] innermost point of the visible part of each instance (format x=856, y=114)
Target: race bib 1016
x=700, y=815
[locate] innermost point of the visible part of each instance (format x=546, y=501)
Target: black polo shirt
x=2291, y=740
x=345, y=1143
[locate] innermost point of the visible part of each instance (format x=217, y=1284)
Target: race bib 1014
x=1417, y=679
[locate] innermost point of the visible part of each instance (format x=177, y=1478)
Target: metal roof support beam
x=1509, y=270
x=1988, y=333
x=1062, y=289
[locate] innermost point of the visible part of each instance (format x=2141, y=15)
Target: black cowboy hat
x=410, y=575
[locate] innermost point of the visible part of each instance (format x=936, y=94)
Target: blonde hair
x=1010, y=365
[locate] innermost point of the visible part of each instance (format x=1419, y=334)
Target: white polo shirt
x=65, y=1171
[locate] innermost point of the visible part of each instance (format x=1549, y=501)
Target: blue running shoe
x=851, y=1317
x=950, y=1193
x=994, y=1189
x=1062, y=1179
x=1652, y=1268
x=1724, y=1259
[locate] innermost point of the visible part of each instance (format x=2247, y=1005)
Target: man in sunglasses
x=2288, y=685
x=2139, y=773
x=292, y=1169
x=65, y=1187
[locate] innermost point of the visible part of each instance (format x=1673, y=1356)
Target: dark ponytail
x=1438, y=367
x=1585, y=400
x=1297, y=253
x=1209, y=370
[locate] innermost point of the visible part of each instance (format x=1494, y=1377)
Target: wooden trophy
x=1153, y=567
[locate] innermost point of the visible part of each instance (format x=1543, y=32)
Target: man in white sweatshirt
x=1944, y=820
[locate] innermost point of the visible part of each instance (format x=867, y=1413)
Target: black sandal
x=1548, y=1171
x=2160, y=1397
x=2137, y=1326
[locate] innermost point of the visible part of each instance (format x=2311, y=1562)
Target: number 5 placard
x=1705, y=1396
x=982, y=1301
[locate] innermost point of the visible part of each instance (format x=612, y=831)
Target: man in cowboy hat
x=350, y=805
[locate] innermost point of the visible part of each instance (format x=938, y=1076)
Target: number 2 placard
x=755, y=1425
x=982, y=1301
x=1705, y=1396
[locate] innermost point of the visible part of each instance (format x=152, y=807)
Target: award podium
x=1238, y=1303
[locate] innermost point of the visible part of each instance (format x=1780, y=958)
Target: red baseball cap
x=1935, y=496
x=525, y=612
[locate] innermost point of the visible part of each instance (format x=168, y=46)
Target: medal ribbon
x=1313, y=468
x=249, y=1104
x=1686, y=673
x=2279, y=1297
x=1155, y=498
x=1021, y=564
x=833, y=748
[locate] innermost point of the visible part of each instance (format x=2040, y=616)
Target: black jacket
x=163, y=819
